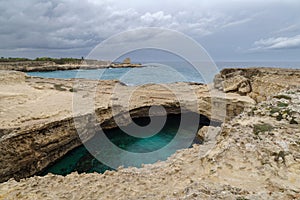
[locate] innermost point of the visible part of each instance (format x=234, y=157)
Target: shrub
x=281, y=104
x=260, y=128
x=282, y=96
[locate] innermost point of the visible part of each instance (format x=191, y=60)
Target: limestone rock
x=234, y=83
x=31, y=66
x=257, y=83
x=242, y=164
x=255, y=155
x=244, y=87
x=37, y=116
x=208, y=133
x=12, y=77
x=218, y=79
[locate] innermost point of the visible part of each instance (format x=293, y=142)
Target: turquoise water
x=152, y=73
x=167, y=72
x=81, y=160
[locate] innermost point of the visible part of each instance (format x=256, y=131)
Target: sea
x=161, y=72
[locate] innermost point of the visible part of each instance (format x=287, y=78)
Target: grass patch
x=282, y=96
x=290, y=92
x=281, y=104
x=261, y=128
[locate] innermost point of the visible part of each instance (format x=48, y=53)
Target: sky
x=231, y=30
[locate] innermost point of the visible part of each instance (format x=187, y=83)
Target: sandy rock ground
x=256, y=156
x=29, y=100
x=37, y=123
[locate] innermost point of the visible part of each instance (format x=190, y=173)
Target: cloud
x=60, y=24
x=81, y=24
x=278, y=43
x=154, y=18
x=40, y=26
x=294, y=28
x=237, y=22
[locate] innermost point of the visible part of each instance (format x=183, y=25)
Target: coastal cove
x=82, y=161
x=38, y=129
x=49, y=128
x=149, y=100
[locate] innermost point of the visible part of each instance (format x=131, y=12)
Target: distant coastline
x=54, y=64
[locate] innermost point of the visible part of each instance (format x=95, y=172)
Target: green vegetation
x=261, y=128
x=281, y=104
x=9, y=59
x=59, y=61
x=282, y=96
x=290, y=92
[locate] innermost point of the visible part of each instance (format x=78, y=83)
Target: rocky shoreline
x=43, y=66
x=249, y=160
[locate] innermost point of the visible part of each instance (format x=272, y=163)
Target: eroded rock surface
x=37, y=115
x=257, y=83
x=256, y=156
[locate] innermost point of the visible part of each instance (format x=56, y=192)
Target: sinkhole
x=165, y=143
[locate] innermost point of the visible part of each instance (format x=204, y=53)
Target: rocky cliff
x=37, y=119
x=255, y=156
x=257, y=83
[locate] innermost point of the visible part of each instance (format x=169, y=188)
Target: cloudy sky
x=229, y=30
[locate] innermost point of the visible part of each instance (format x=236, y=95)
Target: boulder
x=236, y=83
x=208, y=133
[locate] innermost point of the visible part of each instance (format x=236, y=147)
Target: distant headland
x=53, y=64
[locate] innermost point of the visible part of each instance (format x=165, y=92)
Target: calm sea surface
x=166, y=72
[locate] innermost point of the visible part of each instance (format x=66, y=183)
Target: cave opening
x=83, y=161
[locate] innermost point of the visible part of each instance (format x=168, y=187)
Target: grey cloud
x=154, y=18
x=278, y=43
x=294, y=28
x=55, y=24
x=66, y=26
x=77, y=24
